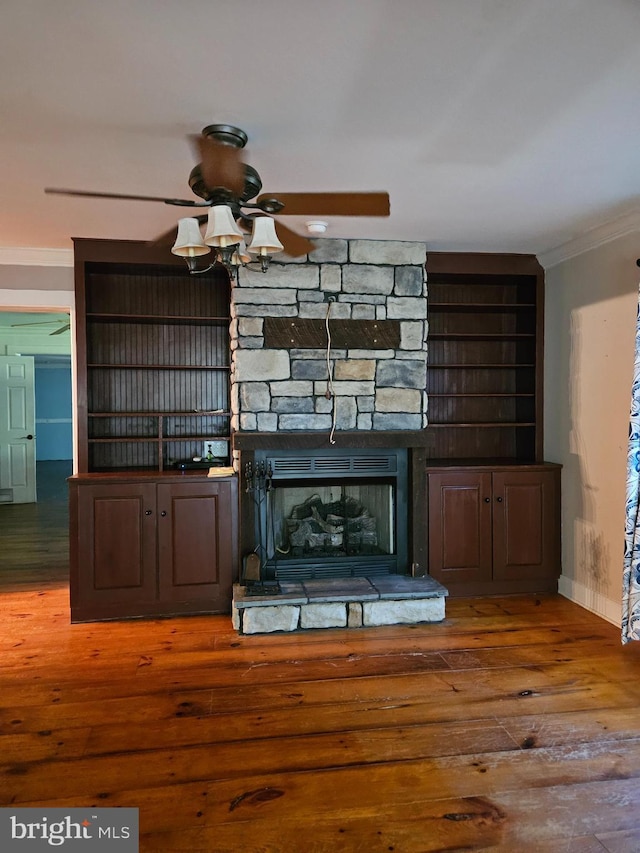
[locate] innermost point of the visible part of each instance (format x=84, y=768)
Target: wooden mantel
x=320, y=440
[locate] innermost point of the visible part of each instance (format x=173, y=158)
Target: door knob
x=163, y=513
x=487, y=500
x=30, y=437
x=499, y=500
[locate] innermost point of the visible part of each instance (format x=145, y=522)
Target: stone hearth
x=340, y=603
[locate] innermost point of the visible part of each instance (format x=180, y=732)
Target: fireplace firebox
x=329, y=514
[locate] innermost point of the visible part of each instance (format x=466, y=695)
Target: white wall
x=591, y=303
x=40, y=278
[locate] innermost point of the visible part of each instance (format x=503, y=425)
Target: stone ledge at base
x=339, y=603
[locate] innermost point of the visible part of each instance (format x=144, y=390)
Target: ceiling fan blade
x=40, y=323
x=294, y=244
x=220, y=165
x=178, y=202
x=62, y=329
x=331, y=204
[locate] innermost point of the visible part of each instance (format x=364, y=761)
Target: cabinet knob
x=487, y=500
x=163, y=513
x=499, y=500
x=147, y=512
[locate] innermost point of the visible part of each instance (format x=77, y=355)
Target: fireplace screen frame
x=337, y=467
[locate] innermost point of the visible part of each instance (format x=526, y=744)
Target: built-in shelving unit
x=485, y=357
x=493, y=504
x=153, y=360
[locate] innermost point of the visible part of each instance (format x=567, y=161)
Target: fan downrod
x=227, y=134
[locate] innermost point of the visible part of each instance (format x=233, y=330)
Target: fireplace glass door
x=335, y=520
x=333, y=515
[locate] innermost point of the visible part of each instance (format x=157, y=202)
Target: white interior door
x=17, y=429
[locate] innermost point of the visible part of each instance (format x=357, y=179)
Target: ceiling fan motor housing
x=220, y=195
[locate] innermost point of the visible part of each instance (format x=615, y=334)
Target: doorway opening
x=34, y=535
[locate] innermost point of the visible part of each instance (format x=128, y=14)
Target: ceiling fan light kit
x=264, y=240
x=225, y=237
x=226, y=184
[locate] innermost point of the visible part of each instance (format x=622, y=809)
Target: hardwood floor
x=512, y=726
x=34, y=538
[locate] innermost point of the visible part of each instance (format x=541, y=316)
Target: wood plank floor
x=512, y=726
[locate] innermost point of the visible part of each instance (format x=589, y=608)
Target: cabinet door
x=115, y=547
x=196, y=540
x=460, y=526
x=525, y=526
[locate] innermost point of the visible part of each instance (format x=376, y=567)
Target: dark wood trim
x=501, y=587
x=124, y=252
x=320, y=440
x=418, y=512
x=485, y=465
x=297, y=333
x=144, y=476
x=539, y=403
x=483, y=263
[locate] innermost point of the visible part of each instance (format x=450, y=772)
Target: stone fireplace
x=329, y=353
x=329, y=409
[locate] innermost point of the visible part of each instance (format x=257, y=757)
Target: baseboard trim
x=590, y=600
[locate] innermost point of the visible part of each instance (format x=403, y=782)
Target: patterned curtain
x=631, y=575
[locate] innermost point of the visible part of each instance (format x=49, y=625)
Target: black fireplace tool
x=258, y=483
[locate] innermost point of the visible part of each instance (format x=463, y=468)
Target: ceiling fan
x=66, y=325
x=223, y=178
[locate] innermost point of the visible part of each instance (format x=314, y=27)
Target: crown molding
x=31, y=257
x=612, y=229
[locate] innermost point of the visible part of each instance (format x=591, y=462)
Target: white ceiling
x=495, y=125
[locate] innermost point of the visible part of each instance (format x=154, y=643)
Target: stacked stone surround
x=276, y=390
x=340, y=603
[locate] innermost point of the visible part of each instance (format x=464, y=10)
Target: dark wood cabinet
x=150, y=546
x=149, y=537
x=493, y=504
x=494, y=530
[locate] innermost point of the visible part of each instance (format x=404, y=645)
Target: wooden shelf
x=106, y=366
x=122, y=414
x=480, y=366
x=473, y=307
x=483, y=425
x=154, y=439
x=479, y=336
x=481, y=395
x=157, y=319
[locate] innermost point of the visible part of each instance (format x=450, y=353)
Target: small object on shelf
x=192, y=463
x=221, y=471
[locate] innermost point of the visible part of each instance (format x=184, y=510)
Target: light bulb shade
x=189, y=242
x=264, y=240
x=221, y=227
x=240, y=256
